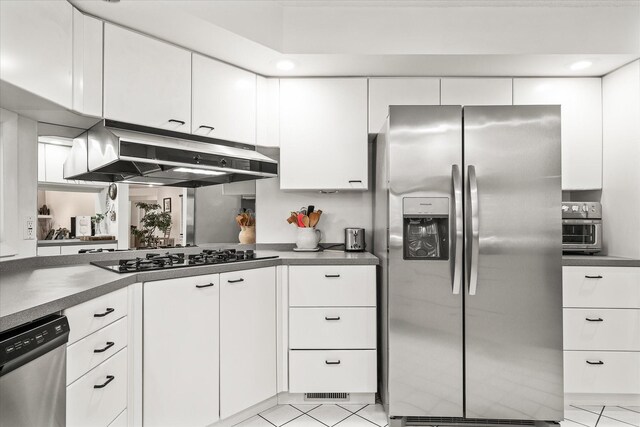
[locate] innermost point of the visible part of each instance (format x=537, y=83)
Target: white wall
x=18, y=175
x=65, y=204
x=621, y=161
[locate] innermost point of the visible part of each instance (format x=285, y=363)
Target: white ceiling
x=393, y=38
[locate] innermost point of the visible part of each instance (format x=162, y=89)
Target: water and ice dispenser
x=425, y=228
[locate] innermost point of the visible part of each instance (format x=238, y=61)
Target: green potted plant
x=153, y=219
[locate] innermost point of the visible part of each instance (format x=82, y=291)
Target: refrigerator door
x=513, y=305
x=424, y=158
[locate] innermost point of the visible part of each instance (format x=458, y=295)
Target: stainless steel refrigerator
x=467, y=225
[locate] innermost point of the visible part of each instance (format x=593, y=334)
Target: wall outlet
x=29, y=228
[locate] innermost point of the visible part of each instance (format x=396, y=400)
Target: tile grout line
x=573, y=421
x=293, y=419
x=267, y=420
x=600, y=416
x=360, y=416
x=627, y=409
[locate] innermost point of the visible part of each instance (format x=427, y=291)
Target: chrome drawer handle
x=332, y=362
x=331, y=275
x=235, y=281
x=599, y=362
x=204, y=286
x=593, y=277
x=332, y=318
x=103, y=349
x=181, y=122
x=106, y=383
x=109, y=310
x=599, y=319
x=206, y=127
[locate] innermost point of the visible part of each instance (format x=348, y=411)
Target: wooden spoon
x=314, y=217
x=305, y=221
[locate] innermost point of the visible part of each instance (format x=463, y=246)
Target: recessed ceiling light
x=581, y=65
x=285, y=65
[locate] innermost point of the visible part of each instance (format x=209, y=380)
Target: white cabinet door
x=477, y=91
x=146, y=81
x=323, y=134
x=87, y=64
x=36, y=45
x=181, y=351
x=399, y=91
x=247, y=339
x=581, y=101
x=224, y=101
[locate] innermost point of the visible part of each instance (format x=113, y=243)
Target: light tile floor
x=373, y=415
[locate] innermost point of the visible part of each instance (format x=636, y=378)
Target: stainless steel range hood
x=121, y=152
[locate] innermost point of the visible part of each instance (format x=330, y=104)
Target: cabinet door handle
x=598, y=319
x=599, y=362
x=332, y=318
x=235, y=281
x=108, y=311
x=105, y=348
x=106, y=383
x=208, y=285
x=354, y=181
x=593, y=277
x=177, y=121
x=332, y=362
x=206, y=127
x=331, y=275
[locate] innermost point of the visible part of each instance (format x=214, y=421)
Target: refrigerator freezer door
x=424, y=312
x=513, y=314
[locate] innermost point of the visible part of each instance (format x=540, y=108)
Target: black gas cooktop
x=158, y=261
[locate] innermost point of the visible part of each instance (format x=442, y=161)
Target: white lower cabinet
x=332, y=329
x=180, y=357
x=601, y=334
x=97, y=398
x=247, y=339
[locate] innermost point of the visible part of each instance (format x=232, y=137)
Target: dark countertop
x=28, y=292
x=599, y=261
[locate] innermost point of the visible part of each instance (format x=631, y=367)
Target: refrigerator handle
x=456, y=179
x=474, y=240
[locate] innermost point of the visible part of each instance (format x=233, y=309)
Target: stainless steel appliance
x=354, y=240
x=33, y=374
x=113, y=151
x=581, y=227
x=153, y=261
x=468, y=231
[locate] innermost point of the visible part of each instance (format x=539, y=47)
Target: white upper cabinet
x=581, y=101
x=146, y=81
x=224, y=101
x=36, y=47
x=87, y=64
x=323, y=134
x=399, y=91
x=477, y=91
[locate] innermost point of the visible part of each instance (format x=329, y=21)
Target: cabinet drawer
x=332, y=371
x=602, y=329
x=89, y=406
x=604, y=287
x=121, y=421
x=619, y=372
x=89, y=352
x=332, y=328
x=95, y=314
x=326, y=286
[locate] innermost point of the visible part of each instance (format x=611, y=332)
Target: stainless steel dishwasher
x=33, y=373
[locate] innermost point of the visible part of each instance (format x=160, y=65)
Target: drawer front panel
x=332, y=371
x=609, y=372
x=332, y=328
x=90, y=351
x=95, y=314
x=90, y=406
x=121, y=421
x=327, y=286
x=604, y=287
x=602, y=329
